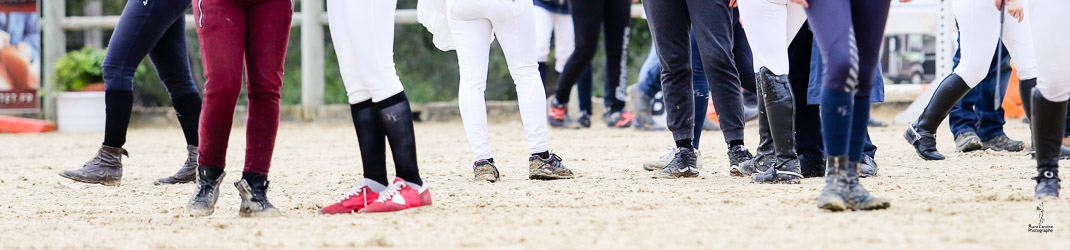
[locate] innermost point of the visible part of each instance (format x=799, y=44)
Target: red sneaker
x=399, y=196
x=360, y=197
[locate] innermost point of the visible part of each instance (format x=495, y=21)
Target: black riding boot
x=764, y=155
x=1047, y=123
x=922, y=134
x=780, y=108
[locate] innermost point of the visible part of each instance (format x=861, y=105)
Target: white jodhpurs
x=474, y=24
x=979, y=34
x=363, y=34
x=771, y=26
x=1052, y=50
x=559, y=26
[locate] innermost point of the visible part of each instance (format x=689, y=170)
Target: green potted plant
x=80, y=105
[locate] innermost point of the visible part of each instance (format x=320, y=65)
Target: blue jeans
x=977, y=111
x=156, y=29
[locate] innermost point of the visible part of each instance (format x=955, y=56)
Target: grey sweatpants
x=711, y=21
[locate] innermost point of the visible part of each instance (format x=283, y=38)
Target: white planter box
x=80, y=111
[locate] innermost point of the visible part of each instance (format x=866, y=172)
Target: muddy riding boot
x=922, y=133
x=780, y=114
x=857, y=196
x=834, y=196
x=763, y=157
x=106, y=168
x=253, y=191
x=188, y=171
x=207, y=193
x=1047, y=124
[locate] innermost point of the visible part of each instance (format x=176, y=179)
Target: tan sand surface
x=971, y=200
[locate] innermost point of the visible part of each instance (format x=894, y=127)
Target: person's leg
x=516, y=44
x=171, y=59
x=845, y=60
x=587, y=22
x=172, y=65
x=139, y=30
x=361, y=40
x=669, y=24
x=617, y=19
x=963, y=118
x=221, y=29
x=268, y=34
x=544, y=30
x=742, y=54
x=702, y=92
x=269, y=26
x=807, y=117
x=713, y=30
x=472, y=38
x=1052, y=91
x=642, y=92
x=979, y=28
x=516, y=41
x=564, y=40
x=990, y=128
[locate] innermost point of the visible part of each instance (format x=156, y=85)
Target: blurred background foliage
x=429, y=75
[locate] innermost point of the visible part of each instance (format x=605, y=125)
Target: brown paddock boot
x=106, y=168
x=187, y=173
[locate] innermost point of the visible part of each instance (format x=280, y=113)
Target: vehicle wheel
x=916, y=78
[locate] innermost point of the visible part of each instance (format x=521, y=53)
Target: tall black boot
x=1047, y=123
x=1025, y=91
x=763, y=157
x=780, y=112
x=395, y=117
x=922, y=134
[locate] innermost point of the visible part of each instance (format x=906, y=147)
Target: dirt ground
x=971, y=200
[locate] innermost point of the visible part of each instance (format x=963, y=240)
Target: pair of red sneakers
x=396, y=197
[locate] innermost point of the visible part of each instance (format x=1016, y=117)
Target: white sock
x=375, y=186
x=413, y=185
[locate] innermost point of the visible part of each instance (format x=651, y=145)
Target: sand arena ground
x=971, y=200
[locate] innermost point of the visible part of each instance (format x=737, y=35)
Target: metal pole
x=55, y=43
x=312, y=61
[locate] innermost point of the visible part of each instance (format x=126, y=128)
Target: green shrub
x=82, y=67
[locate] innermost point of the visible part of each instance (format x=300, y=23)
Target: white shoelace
x=357, y=190
x=391, y=191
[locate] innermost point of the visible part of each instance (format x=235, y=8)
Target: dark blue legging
x=156, y=29
x=849, y=34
